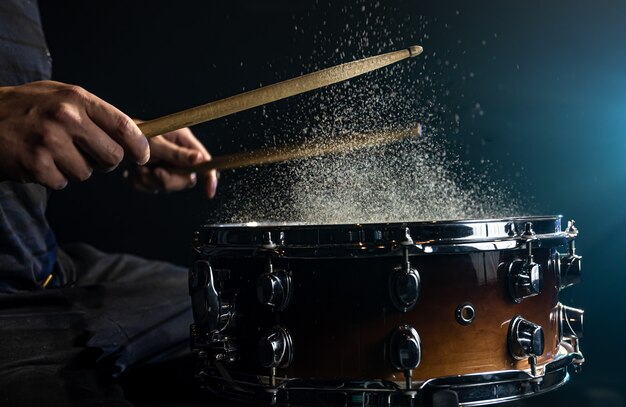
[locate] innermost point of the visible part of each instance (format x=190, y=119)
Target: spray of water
x=412, y=180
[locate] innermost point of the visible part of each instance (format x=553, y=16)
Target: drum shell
x=341, y=316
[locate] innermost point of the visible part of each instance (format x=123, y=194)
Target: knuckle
x=125, y=127
x=64, y=113
x=113, y=157
x=130, y=136
x=50, y=140
x=73, y=92
x=38, y=164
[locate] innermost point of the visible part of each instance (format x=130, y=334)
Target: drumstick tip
x=415, y=50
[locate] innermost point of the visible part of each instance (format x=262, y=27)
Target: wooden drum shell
x=341, y=315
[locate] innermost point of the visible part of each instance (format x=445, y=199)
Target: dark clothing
x=24, y=56
x=104, y=313
x=61, y=346
x=27, y=244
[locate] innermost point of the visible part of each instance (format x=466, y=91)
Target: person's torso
x=27, y=244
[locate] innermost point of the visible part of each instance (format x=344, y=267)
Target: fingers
x=118, y=126
x=158, y=179
x=173, y=155
x=103, y=151
x=163, y=150
x=56, y=159
x=184, y=137
x=210, y=184
x=73, y=164
x=42, y=169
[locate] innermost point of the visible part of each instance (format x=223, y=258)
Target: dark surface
x=550, y=79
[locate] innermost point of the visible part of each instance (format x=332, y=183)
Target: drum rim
x=379, y=239
x=303, y=225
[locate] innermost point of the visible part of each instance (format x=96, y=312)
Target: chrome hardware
x=471, y=389
x=377, y=239
x=509, y=229
x=572, y=322
x=571, y=263
x=276, y=348
x=525, y=339
x=570, y=267
x=571, y=228
x=267, y=243
x=407, y=239
x=465, y=313
x=525, y=276
x=274, y=288
x=404, y=285
x=211, y=313
x=529, y=233
x=405, y=351
x=524, y=279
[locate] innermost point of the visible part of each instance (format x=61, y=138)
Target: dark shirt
x=27, y=245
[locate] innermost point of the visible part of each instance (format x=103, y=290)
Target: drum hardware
x=267, y=243
x=471, y=389
x=465, y=313
x=572, y=319
x=405, y=352
x=275, y=351
x=571, y=263
x=525, y=339
x=525, y=276
x=404, y=283
x=509, y=229
x=212, y=313
x=274, y=287
x=571, y=329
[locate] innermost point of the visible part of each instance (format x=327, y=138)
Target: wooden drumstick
x=272, y=93
x=311, y=148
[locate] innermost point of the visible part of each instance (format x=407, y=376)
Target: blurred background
x=529, y=96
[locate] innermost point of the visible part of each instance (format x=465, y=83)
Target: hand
x=52, y=132
x=169, y=152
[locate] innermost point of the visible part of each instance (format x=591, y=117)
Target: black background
x=550, y=79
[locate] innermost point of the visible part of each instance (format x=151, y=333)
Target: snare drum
x=402, y=314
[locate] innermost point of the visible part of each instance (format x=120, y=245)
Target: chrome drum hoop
x=291, y=240
x=470, y=390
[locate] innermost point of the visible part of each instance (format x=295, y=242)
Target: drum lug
x=275, y=350
x=404, y=285
x=571, y=263
x=274, y=287
x=525, y=276
x=405, y=351
x=524, y=279
x=571, y=322
x=525, y=339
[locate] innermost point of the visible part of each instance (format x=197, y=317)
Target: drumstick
x=272, y=93
x=311, y=148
